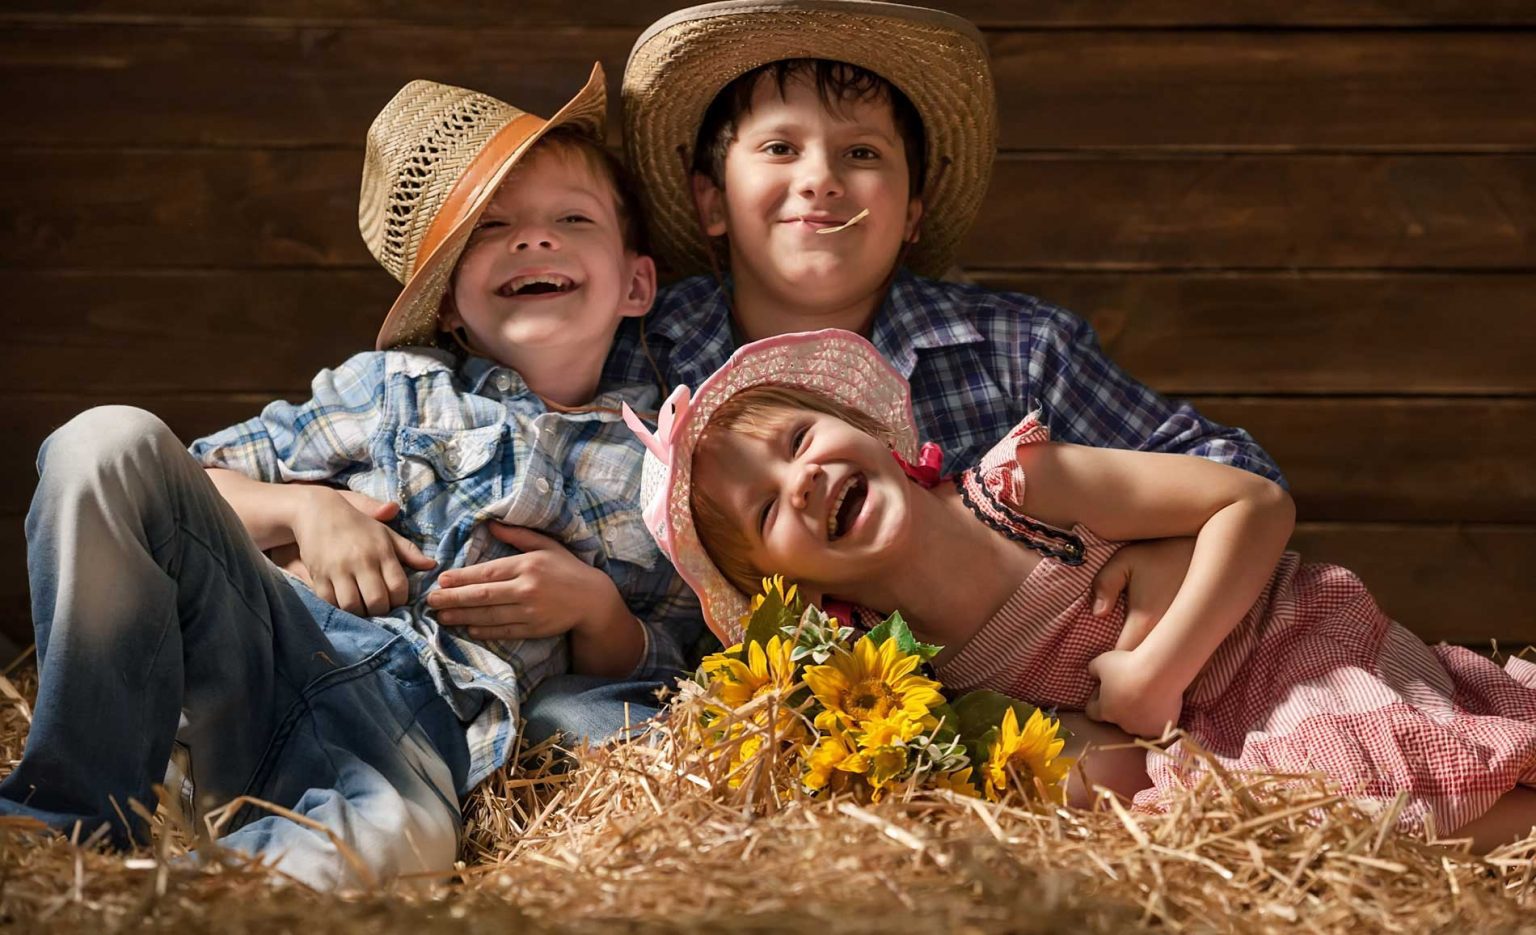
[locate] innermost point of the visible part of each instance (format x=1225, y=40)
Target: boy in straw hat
x=812, y=164
x=344, y=737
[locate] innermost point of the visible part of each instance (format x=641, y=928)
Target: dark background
x=1315, y=219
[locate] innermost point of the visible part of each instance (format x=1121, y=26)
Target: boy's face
x=546, y=267
x=797, y=167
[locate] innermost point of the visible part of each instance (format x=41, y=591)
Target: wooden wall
x=1315, y=218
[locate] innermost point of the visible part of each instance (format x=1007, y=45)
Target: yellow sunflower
x=826, y=760
x=871, y=683
x=1034, y=751
x=768, y=668
x=958, y=782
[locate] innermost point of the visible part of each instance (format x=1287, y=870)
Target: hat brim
x=937, y=59
x=413, y=319
x=837, y=364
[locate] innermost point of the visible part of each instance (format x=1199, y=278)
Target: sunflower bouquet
x=842, y=714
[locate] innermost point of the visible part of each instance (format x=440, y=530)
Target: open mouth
x=541, y=284
x=850, y=501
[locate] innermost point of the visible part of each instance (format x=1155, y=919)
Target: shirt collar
x=918, y=314
x=485, y=377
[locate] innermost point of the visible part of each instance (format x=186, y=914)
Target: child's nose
x=805, y=482
x=535, y=238
x=819, y=178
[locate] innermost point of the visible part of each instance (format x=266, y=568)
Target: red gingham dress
x=1314, y=679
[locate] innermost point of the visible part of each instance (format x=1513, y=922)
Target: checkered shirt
x=456, y=446
x=978, y=362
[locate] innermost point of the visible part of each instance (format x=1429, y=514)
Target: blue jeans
x=153, y=608
x=588, y=708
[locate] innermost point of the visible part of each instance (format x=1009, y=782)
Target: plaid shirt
x=978, y=362
x=456, y=448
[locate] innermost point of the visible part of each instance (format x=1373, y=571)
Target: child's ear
x=448, y=317
x=710, y=201
x=911, y=229
x=641, y=291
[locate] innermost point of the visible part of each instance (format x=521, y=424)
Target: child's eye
x=864, y=153
x=762, y=518
x=797, y=441
x=488, y=223
x=778, y=149
x=575, y=219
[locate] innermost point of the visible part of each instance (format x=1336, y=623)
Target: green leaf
x=895, y=628
x=982, y=711
x=770, y=618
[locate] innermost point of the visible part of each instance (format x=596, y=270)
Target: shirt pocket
x=446, y=475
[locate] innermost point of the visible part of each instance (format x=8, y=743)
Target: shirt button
x=543, y=485
x=503, y=382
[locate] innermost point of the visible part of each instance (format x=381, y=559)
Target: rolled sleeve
x=310, y=441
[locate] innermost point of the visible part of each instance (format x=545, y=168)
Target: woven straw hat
x=839, y=365
x=435, y=156
x=937, y=59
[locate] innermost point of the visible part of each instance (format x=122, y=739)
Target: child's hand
x=350, y=558
x=1149, y=574
x=545, y=591
x=1127, y=696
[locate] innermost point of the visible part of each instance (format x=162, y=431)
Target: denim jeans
x=588, y=708
x=153, y=609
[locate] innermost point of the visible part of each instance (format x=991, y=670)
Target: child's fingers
x=493, y=571
x=410, y=554
x=374, y=593
x=523, y=538
x=347, y=596
x=1110, y=583
x=395, y=582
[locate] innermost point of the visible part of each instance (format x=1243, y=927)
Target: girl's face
x=815, y=499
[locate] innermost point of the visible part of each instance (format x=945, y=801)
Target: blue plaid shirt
x=456, y=447
x=978, y=362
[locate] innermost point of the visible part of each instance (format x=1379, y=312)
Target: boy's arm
x=1089, y=400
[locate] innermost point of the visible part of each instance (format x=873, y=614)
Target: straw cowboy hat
x=837, y=364
x=435, y=156
x=938, y=60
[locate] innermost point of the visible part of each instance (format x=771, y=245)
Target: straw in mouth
x=846, y=224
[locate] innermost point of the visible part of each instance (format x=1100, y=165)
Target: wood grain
x=636, y=15
x=144, y=85
x=286, y=208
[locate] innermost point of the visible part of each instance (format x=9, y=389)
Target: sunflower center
x=871, y=698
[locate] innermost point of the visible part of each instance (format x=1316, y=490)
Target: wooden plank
x=1425, y=460
x=1355, y=460
x=263, y=208
x=1462, y=584
x=119, y=333
x=117, y=85
x=122, y=332
x=282, y=86
x=1249, y=333
x=1258, y=212
x=1458, y=583
x=638, y=13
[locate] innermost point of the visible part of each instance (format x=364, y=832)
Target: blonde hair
x=756, y=412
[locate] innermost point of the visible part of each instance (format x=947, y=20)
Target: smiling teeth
x=837, y=507
x=520, y=283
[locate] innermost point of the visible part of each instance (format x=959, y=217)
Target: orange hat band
x=467, y=190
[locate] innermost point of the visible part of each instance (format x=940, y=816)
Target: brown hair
x=756, y=412
x=606, y=166
x=837, y=83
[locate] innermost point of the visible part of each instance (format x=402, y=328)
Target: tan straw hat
x=937, y=59
x=435, y=156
